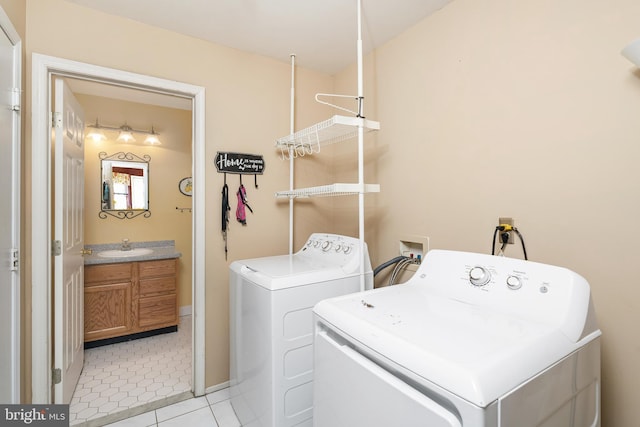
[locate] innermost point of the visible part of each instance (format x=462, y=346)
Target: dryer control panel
x=334, y=250
x=328, y=243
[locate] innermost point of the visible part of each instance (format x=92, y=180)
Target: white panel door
x=69, y=234
x=9, y=216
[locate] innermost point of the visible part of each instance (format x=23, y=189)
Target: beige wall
x=16, y=11
x=247, y=108
x=170, y=162
x=528, y=110
x=487, y=109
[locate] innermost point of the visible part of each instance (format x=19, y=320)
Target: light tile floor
x=212, y=410
x=133, y=377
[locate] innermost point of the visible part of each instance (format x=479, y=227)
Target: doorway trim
x=9, y=30
x=43, y=67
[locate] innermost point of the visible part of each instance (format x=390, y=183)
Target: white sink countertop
x=111, y=253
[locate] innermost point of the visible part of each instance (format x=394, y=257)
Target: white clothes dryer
x=470, y=340
x=271, y=325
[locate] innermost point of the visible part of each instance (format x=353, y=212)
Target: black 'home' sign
x=248, y=164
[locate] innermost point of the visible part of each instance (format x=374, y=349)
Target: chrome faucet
x=126, y=246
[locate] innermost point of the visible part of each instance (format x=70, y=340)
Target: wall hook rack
x=239, y=164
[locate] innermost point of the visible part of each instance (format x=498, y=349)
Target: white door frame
x=14, y=345
x=43, y=67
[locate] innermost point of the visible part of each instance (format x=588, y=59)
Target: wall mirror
x=124, y=181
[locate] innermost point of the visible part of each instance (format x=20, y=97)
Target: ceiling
x=322, y=33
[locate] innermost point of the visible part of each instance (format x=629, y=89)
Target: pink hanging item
x=241, y=214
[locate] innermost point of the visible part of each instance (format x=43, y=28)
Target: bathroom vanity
x=130, y=296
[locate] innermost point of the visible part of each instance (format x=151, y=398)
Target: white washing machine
x=469, y=340
x=271, y=325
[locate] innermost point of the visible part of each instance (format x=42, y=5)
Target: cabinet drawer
x=160, y=310
x=165, y=267
x=108, y=272
x=158, y=285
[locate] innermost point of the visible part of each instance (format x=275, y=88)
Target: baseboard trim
x=217, y=387
x=185, y=310
x=138, y=335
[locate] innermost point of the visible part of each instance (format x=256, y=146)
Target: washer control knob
x=479, y=276
x=326, y=245
x=513, y=282
x=316, y=243
x=347, y=250
x=309, y=242
x=338, y=247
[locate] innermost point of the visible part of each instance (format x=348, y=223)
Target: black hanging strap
x=225, y=213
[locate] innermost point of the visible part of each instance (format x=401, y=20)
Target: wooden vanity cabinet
x=127, y=298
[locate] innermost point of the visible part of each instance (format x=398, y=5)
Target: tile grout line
x=213, y=413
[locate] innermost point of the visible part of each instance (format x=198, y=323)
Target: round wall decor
x=186, y=186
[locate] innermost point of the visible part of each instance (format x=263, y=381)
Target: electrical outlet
x=508, y=221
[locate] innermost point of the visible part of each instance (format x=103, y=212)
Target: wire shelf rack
x=336, y=129
x=338, y=189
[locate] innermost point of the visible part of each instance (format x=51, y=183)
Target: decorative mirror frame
x=125, y=213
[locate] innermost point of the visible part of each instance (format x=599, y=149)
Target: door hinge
x=56, y=376
x=15, y=259
x=56, y=119
x=56, y=248
x=15, y=101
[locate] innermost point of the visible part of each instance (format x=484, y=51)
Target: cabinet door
x=107, y=310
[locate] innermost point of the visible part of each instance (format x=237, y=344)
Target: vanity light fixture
x=632, y=52
x=152, y=138
x=95, y=132
x=125, y=133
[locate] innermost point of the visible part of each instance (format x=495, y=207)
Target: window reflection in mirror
x=129, y=190
x=125, y=183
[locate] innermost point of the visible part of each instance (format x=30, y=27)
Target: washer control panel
x=483, y=283
x=482, y=275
